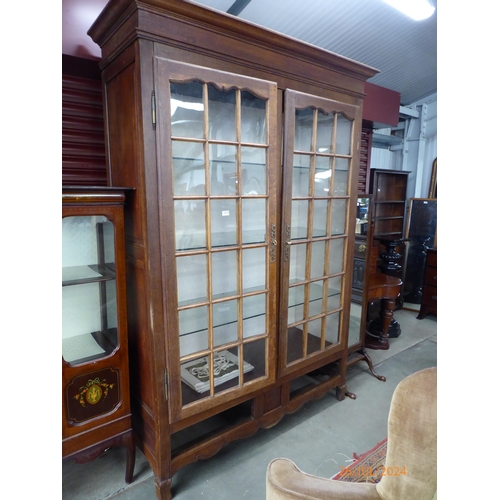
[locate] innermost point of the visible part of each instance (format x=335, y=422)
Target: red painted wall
x=381, y=105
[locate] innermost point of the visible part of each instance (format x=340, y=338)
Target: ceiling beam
x=237, y=7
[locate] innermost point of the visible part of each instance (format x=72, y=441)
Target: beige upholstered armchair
x=411, y=443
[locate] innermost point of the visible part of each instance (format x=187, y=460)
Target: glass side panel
x=89, y=309
x=220, y=190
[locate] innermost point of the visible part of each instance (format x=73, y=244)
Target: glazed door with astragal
x=318, y=215
x=218, y=156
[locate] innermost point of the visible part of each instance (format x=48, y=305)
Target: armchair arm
x=285, y=481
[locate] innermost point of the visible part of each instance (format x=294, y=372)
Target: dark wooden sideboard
x=429, y=292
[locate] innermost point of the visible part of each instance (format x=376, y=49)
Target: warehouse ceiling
x=369, y=31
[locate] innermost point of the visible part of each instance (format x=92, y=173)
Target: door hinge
x=153, y=109
x=166, y=385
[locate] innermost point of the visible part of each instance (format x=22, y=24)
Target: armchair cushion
x=411, y=444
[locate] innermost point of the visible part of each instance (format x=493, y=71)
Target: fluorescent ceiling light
x=416, y=9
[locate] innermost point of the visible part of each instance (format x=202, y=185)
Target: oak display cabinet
x=243, y=149
x=95, y=373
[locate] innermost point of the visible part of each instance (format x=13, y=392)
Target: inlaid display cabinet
x=243, y=148
x=96, y=411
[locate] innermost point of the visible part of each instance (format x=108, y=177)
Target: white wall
x=418, y=151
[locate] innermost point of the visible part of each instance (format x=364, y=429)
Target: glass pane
x=295, y=304
x=340, y=178
x=224, y=274
x=332, y=328
x=334, y=287
x=339, y=208
x=225, y=320
x=79, y=244
x=190, y=230
x=315, y=298
x=223, y=220
x=298, y=263
x=193, y=330
x=253, y=221
x=354, y=324
x=81, y=323
x=254, y=315
x=295, y=342
x=325, y=132
x=89, y=309
x=186, y=103
x=343, y=141
x=254, y=269
x=253, y=164
x=223, y=172
x=314, y=336
x=300, y=182
x=299, y=219
x=253, y=119
x=322, y=176
x=303, y=129
x=318, y=259
x=254, y=353
x=336, y=255
x=191, y=279
x=319, y=218
x=221, y=115
x=188, y=168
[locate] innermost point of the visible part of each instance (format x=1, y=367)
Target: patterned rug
x=367, y=468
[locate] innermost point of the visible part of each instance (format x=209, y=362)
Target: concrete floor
x=320, y=438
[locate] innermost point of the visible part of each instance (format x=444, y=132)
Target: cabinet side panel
x=122, y=145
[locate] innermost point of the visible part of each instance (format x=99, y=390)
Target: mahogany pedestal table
x=387, y=289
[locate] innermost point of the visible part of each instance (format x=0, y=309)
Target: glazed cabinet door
x=218, y=160
x=320, y=170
